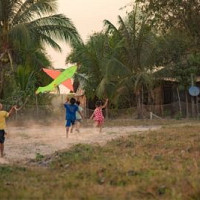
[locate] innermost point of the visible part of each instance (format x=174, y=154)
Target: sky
x=88, y=17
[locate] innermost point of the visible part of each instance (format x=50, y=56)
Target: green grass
x=163, y=164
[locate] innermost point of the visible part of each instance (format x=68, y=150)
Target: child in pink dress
x=97, y=115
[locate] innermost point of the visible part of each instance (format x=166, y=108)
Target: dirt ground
x=24, y=143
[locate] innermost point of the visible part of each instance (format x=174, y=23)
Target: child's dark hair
x=78, y=103
x=72, y=101
x=98, y=103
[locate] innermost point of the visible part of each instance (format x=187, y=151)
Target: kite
x=55, y=73
x=61, y=79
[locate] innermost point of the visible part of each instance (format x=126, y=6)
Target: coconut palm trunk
x=1, y=80
x=139, y=108
x=179, y=101
x=186, y=103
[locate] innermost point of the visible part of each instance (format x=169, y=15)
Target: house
x=169, y=99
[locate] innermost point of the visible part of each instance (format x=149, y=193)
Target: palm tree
x=134, y=61
x=120, y=60
x=92, y=58
x=30, y=23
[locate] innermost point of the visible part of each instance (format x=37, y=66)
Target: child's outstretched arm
x=67, y=100
x=105, y=104
x=81, y=114
x=12, y=109
x=92, y=116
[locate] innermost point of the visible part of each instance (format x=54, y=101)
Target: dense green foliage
x=25, y=27
x=125, y=62
x=120, y=62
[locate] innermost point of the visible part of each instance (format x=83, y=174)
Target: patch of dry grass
x=148, y=122
x=163, y=164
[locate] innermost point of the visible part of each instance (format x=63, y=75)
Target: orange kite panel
x=55, y=73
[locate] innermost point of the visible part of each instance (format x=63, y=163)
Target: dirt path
x=24, y=143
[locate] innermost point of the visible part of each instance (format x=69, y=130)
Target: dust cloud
x=25, y=141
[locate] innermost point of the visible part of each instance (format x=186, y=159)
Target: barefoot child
x=3, y=116
x=71, y=110
x=97, y=115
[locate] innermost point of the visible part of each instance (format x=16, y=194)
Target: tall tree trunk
x=138, y=97
x=192, y=98
x=193, y=106
x=36, y=104
x=197, y=106
x=1, y=80
x=187, y=106
x=149, y=100
x=10, y=60
x=179, y=101
x=142, y=105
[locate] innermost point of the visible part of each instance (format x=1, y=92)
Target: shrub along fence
x=51, y=113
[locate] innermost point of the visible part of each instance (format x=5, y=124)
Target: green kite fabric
x=68, y=73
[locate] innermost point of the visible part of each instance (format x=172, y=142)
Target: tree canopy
x=25, y=27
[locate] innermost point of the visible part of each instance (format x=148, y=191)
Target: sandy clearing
x=24, y=143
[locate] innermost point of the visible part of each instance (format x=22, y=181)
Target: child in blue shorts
x=71, y=109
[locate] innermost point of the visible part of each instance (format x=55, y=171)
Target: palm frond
x=56, y=26
x=19, y=35
x=31, y=9
x=116, y=68
x=110, y=27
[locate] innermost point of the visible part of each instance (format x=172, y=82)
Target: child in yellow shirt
x=3, y=116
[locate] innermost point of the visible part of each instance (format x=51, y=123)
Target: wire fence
x=49, y=112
